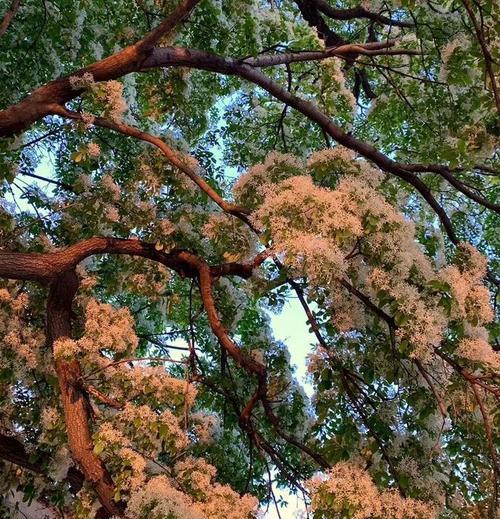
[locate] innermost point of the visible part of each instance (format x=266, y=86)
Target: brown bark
x=75, y=404
x=241, y=358
x=357, y=12
x=34, y=107
x=7, y=17
x=46, y=267
x=13, y=451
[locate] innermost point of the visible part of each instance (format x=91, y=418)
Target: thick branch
x=310, y=12
x=74, y=402
x=447, y=174
x=18, y=117
x=46, y=267
x=13, y=451
x=350, y=50
x=7, y=17
x=173, y=20
x=357, y=12
x=243, y=360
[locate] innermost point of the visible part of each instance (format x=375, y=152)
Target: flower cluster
x=22, y=341
x=108, y=328
x=115, y=103
x=348, y=489
x=349, y=235
x=111, y=92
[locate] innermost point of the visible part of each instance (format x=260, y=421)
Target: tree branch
x=7, y=17
x=46, y=267
x=175, y=18
x=74, y=402
x=358, y=12
x=488, y=60
x=13, y=451
x=350, y=50
x=183, y=163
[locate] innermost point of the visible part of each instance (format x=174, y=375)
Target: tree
x=174, y=171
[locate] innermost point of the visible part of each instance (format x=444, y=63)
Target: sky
x=290, y=327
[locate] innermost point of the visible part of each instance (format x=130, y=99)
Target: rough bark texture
x=74, y=401
x=46, y=267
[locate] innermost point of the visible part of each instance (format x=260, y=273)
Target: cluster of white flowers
x=471, y=299
x=93, y=149
x=231, y=236
x=322, y=221
x=116, y=105
x=317, y=229
x=87, y=119
x=60, y=463
x=160, y=498
x=65, y=348
x=86, y=80
x=111, y=187
x=23, y=342
x=152, y=380
x=328, y=158
x=350, y=489
x=335, y=80
x=84, y=182
x=420, y=320
x=277, y=166
x=460, y=42
x=471, y=304
x=149, y=428
x=111, y=91
x=478, y=350
x=214, y=500
x=236, y=297
x=50, y=418
x=108, y=328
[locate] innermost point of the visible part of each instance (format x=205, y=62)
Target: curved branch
x=358, y=12
x=176, y=158
x=46, y=267
x=447, y=174
x=175, y=18
x=348, y=50
x=488, y=60
x=21, y=116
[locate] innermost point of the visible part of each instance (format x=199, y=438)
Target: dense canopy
x=172, y=173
